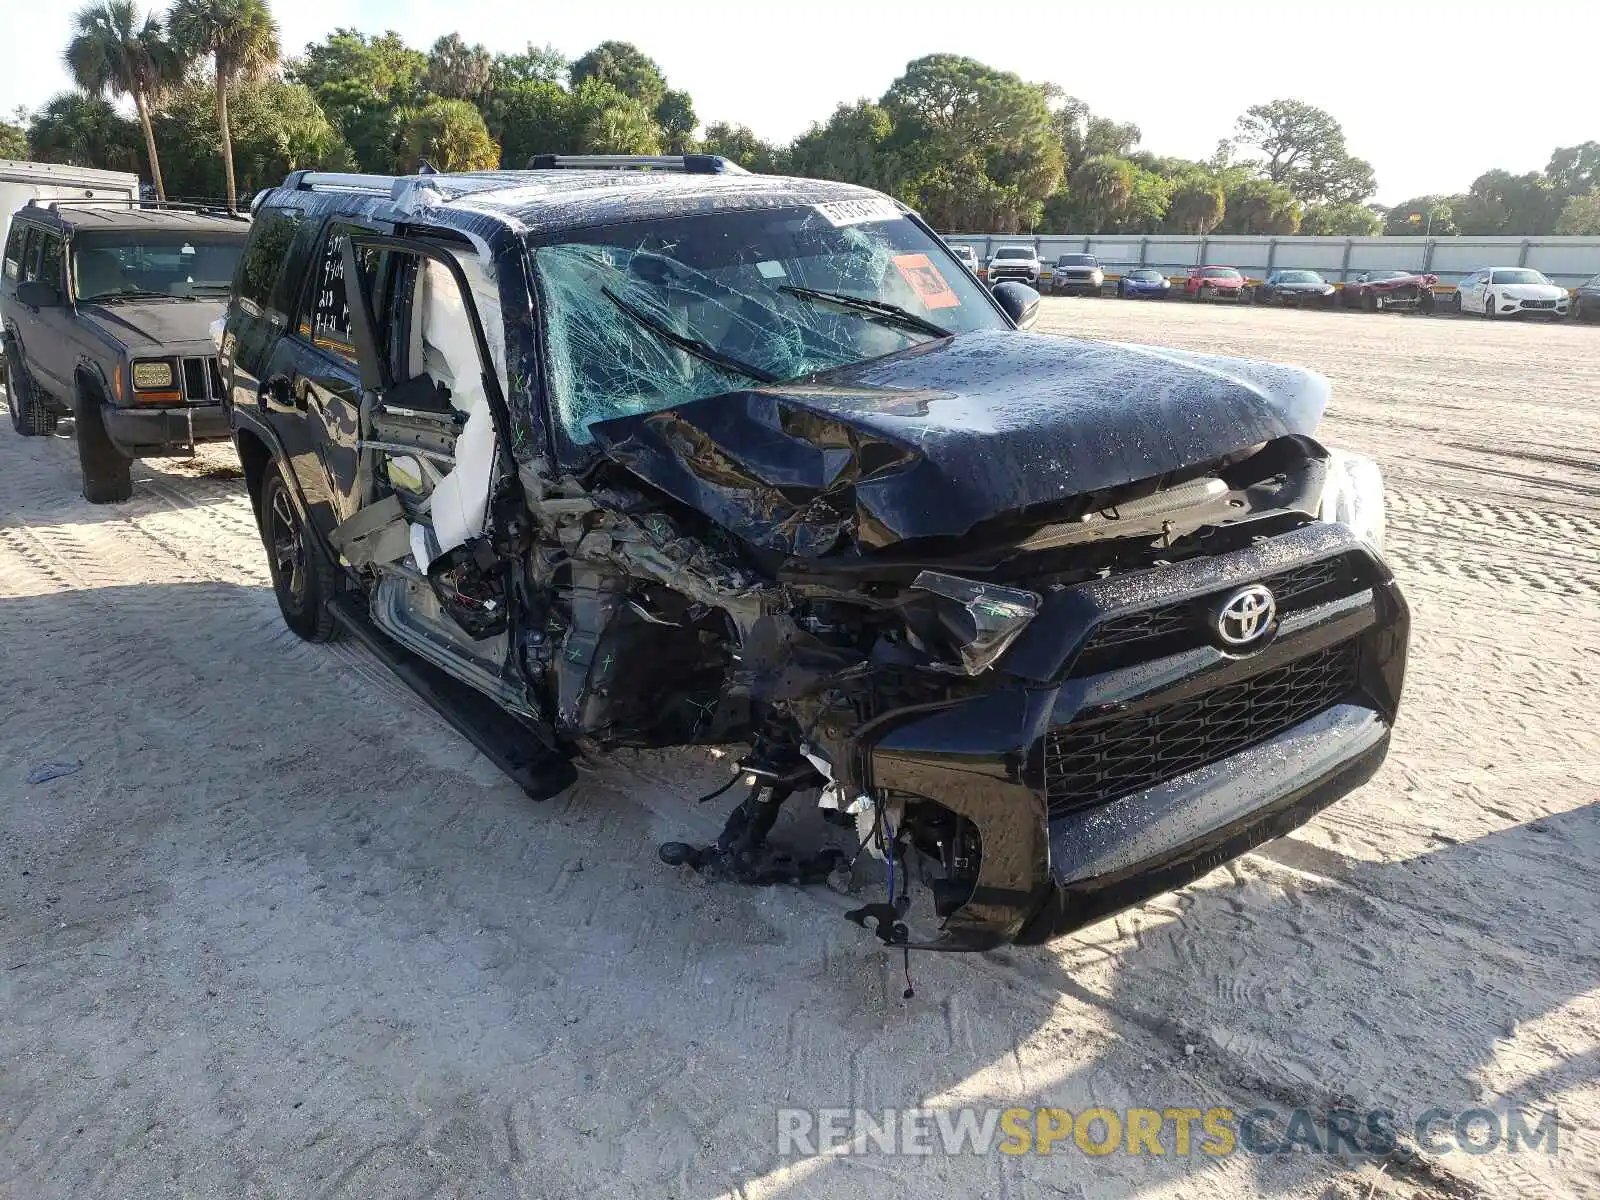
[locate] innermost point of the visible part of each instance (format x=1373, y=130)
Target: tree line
x=219, y=112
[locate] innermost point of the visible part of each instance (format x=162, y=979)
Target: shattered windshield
x=643, y=316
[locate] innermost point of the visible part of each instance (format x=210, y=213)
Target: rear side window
x=265, y=258
x=325, y=315
x=14, y=252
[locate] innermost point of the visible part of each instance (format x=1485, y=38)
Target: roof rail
x=209, y=210
x=691, y=164
x=340, y=181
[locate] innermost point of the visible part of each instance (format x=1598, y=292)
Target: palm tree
x=112, y=53
x=241, y=38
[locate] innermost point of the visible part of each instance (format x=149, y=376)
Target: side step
x=504, y=740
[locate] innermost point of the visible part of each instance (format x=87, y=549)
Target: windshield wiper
x=892, y=314
x=701, y=350
x=132, y=294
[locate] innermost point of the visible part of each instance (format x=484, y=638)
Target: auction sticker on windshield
x=930, y=286
x=858, y=212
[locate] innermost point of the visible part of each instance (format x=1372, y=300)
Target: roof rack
x=690, y=164
x=208, y=210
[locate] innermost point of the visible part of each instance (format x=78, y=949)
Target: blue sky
x=1431, y=94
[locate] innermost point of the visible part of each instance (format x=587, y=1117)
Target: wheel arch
x=254, y=457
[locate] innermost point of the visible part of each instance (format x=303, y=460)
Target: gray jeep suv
x=106, y=310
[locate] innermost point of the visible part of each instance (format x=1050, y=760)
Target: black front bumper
x=1043, y=872
x=153, y=432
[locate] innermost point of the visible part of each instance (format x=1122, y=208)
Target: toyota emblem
x=1244, y=616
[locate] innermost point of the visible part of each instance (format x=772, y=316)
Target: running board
x=503, y=739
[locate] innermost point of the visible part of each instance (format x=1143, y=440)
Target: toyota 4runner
x=106, y=312
x=600, y=457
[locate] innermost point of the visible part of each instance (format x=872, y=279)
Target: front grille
x=1090, y=763
x=202, y=382
x=1171, y=628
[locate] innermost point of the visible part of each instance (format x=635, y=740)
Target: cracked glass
x=643, y=316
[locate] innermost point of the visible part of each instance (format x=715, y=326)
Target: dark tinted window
x=266, y=256
x=30, y=254
x=1077, y=260
x=50, y=260
x=14, y=251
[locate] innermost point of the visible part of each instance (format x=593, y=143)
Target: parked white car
x=1512, y=291
x=1019, y=263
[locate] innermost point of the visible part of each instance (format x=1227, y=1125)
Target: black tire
x=29, y=416
x=1488, y=306
x=1122, y=289
x=1427, y=303
x=1369, y=302
x=302, y=577
x=106, y=470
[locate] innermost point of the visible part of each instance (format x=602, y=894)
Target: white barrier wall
x=1568, y=261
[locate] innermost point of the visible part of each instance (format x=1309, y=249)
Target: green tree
x=1581, y=215
x=1341, y=220
x=1197, y=203
x=1435, y=216
x=952, y=113
x=675, y=116
x=1102, y=187
x=13, y=141
x=1303, y=149
x=1259, y=206
x=277, y=128
x=852, y=146
x=458, y=71
x=1575, y=169
x=241, y=39
x=112, y=53
x=527, y=118
x=1499, y=202
x=364, y=84
x=85, y=131
x=450, y=135
x=1084, y=135
x=536, y=64
x=625, y=67
x=740, y=144
x=604, y=120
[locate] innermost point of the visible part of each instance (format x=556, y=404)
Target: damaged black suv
x=655, y=452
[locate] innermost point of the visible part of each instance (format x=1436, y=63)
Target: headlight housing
x=982, y=619
x=1353, y=496
x=151, y=376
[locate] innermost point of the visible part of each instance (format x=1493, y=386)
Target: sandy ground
x=284, y=934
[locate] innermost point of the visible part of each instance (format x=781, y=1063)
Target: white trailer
x=24, y=181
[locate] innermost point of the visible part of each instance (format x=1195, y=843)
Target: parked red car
x=1214, y=283
x=1374, y=290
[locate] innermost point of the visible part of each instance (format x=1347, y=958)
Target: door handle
x=274, y=391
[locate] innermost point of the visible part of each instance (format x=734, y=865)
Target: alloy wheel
x=288, y=548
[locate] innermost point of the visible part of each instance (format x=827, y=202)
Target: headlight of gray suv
x=1353, y=496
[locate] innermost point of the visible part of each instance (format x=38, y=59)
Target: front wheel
x=302, y=577
x=107, y=471
x=1488, y=306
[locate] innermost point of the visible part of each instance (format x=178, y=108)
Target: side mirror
x=36, y=293
x=1020, y=301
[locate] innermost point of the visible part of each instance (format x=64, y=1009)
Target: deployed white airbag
x=450, y=356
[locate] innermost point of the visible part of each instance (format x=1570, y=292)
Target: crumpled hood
x=157, y=326
x=933, y=440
